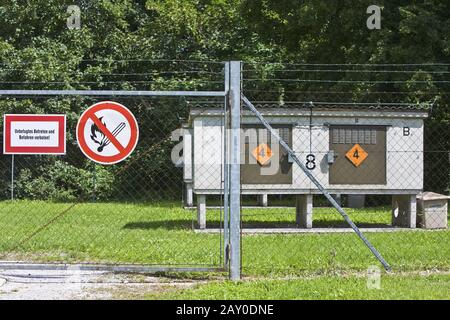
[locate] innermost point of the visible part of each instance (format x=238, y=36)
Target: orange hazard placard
x=356, y=155
x=262, y=153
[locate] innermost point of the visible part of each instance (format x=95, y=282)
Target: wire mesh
x=142, y=211
x=69, y=209
x=375, y=137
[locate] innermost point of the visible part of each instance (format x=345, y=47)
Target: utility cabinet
x=349, y=149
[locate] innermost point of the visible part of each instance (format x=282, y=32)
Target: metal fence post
x=94, y=182
x=226, y=222
x=235, y=174
x=12, y=177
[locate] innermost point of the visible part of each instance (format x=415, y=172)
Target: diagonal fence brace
x=252, y=108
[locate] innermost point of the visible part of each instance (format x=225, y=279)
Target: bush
x=64, y=182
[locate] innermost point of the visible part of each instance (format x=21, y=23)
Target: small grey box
x=330, y=156
x=432, y=210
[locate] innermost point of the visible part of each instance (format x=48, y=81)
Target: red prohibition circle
x=124, y=151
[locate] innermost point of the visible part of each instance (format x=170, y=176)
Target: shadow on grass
x=249, y=224
x=160, y=224
x=344, y=224
x=316, y=224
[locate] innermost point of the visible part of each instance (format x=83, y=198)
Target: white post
x=263, y=200
x=413, y=212
x=201, y=211
x=304, y=210
x=404, y=211
x=189, y=195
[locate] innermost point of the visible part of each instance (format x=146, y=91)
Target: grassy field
x=162, y=234
x=392, y=287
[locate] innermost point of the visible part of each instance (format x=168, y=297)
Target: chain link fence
x=375, y=137
x=375, y=140
x=67, y=208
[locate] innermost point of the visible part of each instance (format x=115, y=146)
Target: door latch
x=331, y=156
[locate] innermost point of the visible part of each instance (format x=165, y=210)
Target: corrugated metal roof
x=342, y=105
x=322, y=105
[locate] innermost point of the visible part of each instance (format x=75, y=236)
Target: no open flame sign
x=107, y=132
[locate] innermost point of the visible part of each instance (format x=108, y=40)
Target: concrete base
x=337, y=198
x=189, y=196
x=404, y=211
x=356, y=201
x=201, y=211
x=304, y=210
x=263, y=200
x=312, y=231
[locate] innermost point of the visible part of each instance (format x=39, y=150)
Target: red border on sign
x=60, y=119
x=124, y=151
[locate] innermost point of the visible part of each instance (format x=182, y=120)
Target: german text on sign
x=107, y=132
x=34, y=134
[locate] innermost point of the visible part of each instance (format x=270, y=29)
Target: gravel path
x=16, y=284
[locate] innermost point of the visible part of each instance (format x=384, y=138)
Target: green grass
x=393, y=287
x=162, y=234
x=100, y=232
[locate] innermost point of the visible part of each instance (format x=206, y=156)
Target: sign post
x=12, y=177
x=33, y=134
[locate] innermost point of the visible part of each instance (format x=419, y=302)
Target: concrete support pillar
x=201, y=211
x=304, y=210
x=263, y=200
x=189, y=200
x=356, y=201
x=404, y=211
x=338, y=198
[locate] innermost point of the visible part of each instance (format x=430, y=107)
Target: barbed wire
x=352, y=64
x=106, y=82
x=343, y=92
x=126, y=60
x=312, y=103
x=343, y=81
x=352, y=71
x=136, y=74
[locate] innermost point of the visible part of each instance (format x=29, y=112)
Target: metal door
x=251, y=172
x=357, y=154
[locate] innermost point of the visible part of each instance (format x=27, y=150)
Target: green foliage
x=38, y=51
x=64, y=182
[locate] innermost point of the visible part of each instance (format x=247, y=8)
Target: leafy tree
x=142, y=44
